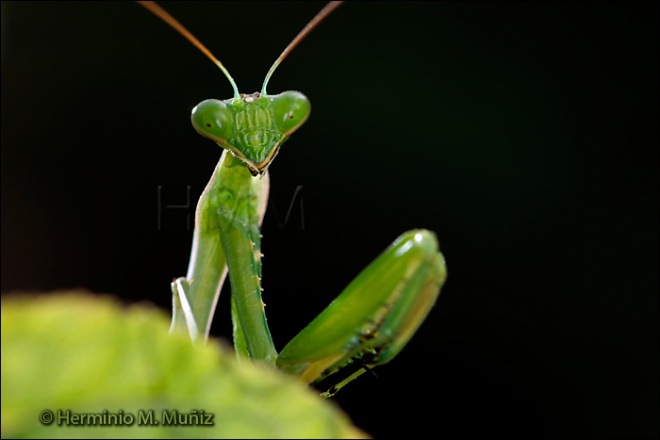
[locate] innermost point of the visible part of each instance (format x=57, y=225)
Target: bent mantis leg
x=375, y=316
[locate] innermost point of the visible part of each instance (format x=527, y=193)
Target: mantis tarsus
x=366, y=325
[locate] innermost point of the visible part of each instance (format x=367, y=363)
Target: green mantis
x=366, y=325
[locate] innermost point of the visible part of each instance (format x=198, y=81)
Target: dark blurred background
x=524, y=134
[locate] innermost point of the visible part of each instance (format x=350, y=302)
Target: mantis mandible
x=366, y=325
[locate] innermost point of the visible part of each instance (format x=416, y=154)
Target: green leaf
x=88, y=355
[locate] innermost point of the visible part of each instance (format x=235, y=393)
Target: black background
x=524, y=134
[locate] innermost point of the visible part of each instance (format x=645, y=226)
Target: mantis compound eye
x=212, y=119
x=291, y=110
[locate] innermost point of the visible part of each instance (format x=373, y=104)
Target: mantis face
x=252, y=127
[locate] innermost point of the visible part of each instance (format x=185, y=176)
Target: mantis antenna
x=327, y=10
x=167, y=18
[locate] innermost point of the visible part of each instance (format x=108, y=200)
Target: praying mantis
x=367, y=325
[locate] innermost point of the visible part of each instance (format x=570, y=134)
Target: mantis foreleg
x=373, y=318
x=227, y=221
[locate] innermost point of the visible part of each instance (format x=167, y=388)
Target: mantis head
x=252, y=127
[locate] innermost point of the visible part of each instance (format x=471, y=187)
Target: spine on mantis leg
x=240, y=204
